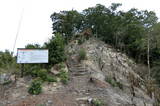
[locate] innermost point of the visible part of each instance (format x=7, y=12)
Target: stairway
x=76, y=68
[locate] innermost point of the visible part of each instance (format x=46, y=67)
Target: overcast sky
x=36, y=23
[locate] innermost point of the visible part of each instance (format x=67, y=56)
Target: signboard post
x=22, y=69
x=28, y=56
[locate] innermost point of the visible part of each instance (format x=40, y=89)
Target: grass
x=97, y=102
x=114, y=83
x=82, y=54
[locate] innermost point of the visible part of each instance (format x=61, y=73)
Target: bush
x=56, y=46
x=120, y=85
x=64, y=77
x=32, y=69
x=36, y=87
x=7, y=82
x=51, y=78
x=6, y=59
x=42, y=74
x=61, y=65
x=97, y=102
x=82, y=54
x=111, y=81
x=114, y=83
x=80, y=41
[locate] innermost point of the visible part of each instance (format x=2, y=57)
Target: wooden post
x=22, y=70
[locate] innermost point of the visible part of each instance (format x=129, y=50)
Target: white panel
x=32, y=56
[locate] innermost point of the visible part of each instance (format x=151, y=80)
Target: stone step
x=75, y=69
x=76, y=66
x=79, y=74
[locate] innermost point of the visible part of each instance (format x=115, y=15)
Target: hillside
x=105, y=76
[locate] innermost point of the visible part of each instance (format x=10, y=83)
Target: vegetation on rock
x=36, y=87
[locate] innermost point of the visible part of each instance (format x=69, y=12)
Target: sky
x=35, y=25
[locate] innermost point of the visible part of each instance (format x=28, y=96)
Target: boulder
x=56, y=69
x=98, y=76
x=4, y=78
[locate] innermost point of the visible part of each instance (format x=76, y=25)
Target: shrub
x=82, y=54
x=56, y=46
x=114, y=83
x=64, y=77
x=6, y=59
x=32, y=69
x=61, y=65
x=42, y=74
x=40, y=105
x=51, y=78
x=80, y=41
x=97, y=102
x=35, y=87
x=120, y=85
x=7, y=82
x=111, y=81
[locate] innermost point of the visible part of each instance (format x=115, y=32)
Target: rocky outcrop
x=4, y=78
x=105, y=62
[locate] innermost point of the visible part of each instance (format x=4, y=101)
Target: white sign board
x=32, y=56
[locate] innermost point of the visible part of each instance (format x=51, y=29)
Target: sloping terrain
x=105, y=75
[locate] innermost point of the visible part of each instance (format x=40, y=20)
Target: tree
x=120, y=29
x=56, y=48
x=32, y=46
x=67, y=23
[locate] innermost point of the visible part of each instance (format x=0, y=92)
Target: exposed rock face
x=105, y=62
x=5, y=78
x=56, y=69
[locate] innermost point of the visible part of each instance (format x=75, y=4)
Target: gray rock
x=98, y=75
x=49, y=102
x=5, y=77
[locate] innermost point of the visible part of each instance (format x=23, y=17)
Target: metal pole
x=18, y=29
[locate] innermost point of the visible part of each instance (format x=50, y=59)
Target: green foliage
x=8, y=62
x=127, y=31
x=80, y=41
x=111, y=81
x=114, y=83
x=32, y=46
x=61, y=65
x=56, y=47
x=67, y=23
x=120, y=85
x=32, y=69
x=6, y=59
x=97, y=102
x=64, y=77
x=82, y=54
x=35, y=87
x=40, y=105
x=51, y=78
x=42, y=73
x=7, y=82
